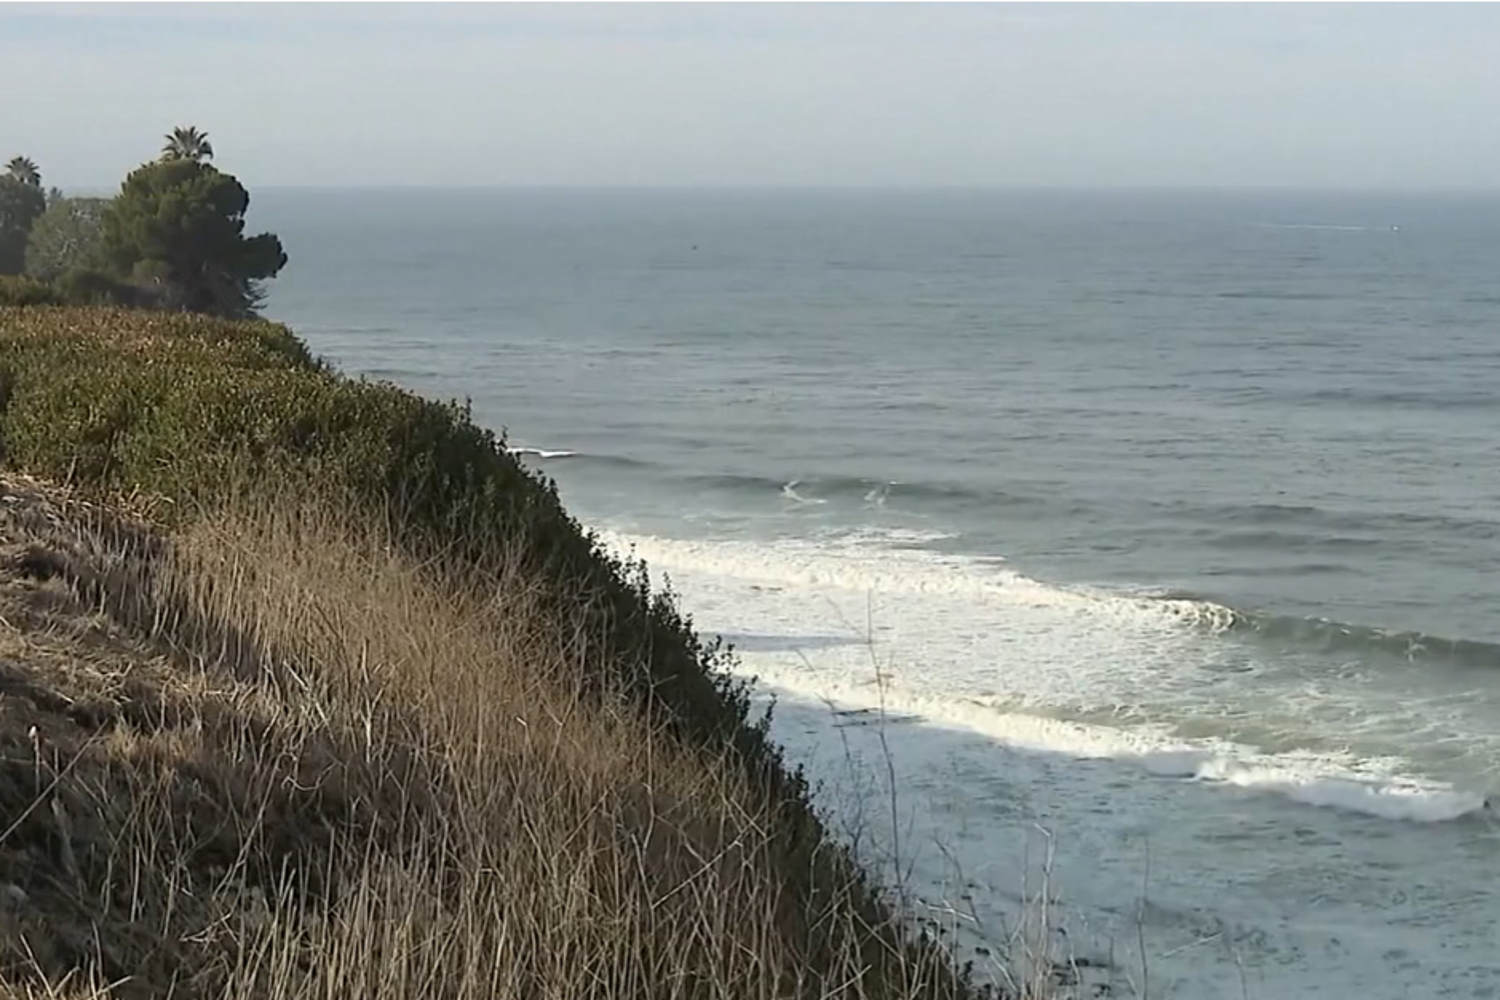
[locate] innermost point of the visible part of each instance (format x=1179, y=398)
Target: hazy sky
x=1058, y=94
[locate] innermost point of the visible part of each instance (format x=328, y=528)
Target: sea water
x=1123, y=562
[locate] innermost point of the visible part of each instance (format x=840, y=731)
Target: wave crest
x=1390, y=798
x=541, y=452
x=1305, y=778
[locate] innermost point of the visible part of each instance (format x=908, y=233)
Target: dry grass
x=276, y=758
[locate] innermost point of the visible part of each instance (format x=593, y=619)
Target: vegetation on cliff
x=349, y=705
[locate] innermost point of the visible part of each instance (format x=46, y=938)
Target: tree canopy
x=68, y=236
x=173, y=238
x=177, y=225
x=21, y=203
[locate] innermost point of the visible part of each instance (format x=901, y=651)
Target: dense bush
x=186, y=409
x=181, y=223
x=18, y=291
x=180, y=413
x=90, y=287
x=351, y=746
x=68, y=236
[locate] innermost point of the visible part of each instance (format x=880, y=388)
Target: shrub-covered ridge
x=195, y=422
x=181, y=412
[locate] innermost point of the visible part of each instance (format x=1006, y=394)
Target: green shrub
x=86, y=287
x=68, y=235
x=189, y=409
x=18, y=291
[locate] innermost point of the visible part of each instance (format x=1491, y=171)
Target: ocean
x=1127, y=555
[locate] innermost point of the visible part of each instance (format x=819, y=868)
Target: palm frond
x=187, y=143
x=24, y=169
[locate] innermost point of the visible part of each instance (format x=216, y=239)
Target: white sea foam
x=1397, y=798
x=891, y=536
x=963, y=628
x=1321, y=783
x=542, y=452
x=949, y=623
x=862, y=569
x=1315, y=225
x=1311, y=779
x=789, y=491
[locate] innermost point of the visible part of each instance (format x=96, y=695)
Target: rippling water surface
x=1171, y=520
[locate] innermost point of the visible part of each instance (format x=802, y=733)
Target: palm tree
x=25, y=171
x=187, y=144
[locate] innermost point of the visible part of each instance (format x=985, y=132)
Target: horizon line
x=870, y=188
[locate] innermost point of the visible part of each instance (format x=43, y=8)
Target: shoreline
x=1168, y=850
x=984, y=827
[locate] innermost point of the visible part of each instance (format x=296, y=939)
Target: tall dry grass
x=279, y=758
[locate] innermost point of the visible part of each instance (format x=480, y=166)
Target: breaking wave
x=1310, y=779
x=857, y=490
x=789, y=491
x=883, y=563
x=542, y=452
x=1112, y=636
